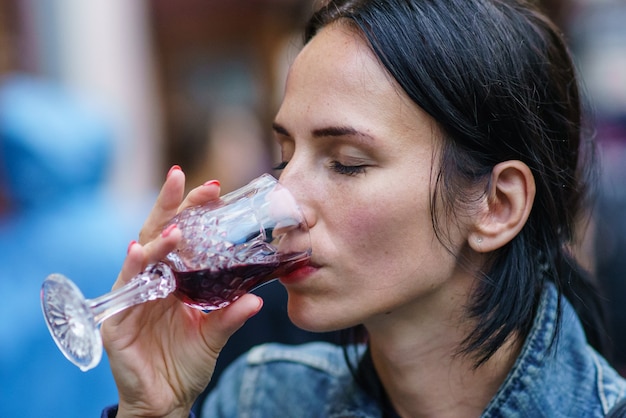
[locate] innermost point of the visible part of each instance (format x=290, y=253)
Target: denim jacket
x=313, y=380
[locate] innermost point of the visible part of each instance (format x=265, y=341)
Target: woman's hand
x=163, y=353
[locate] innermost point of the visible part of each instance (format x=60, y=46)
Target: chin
x=316, y=318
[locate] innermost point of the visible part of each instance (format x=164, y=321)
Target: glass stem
x=156, y=281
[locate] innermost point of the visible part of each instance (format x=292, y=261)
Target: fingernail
x=212, y=183
x=167, y=231
x=133, y=242
x=174, y=168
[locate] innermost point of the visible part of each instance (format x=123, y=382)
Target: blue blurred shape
x=52, y=144
x=55, y=151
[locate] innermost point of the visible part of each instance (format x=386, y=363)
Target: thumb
x=221, y=324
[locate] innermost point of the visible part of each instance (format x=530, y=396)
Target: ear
x=506, y=207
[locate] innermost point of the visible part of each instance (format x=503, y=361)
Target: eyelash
x=280, y=166
x=336, y=166
x=348, y=170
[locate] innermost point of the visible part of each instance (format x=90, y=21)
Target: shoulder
x=281, y=365
x=321, y=356
x=610, y=386
x=583, y=372
x=558, y=377
x=281, y=380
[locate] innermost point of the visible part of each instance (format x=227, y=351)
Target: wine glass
x=229, y=247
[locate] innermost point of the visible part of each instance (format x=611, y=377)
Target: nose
x=295, y=181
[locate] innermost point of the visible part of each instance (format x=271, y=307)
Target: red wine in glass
x=210, y=289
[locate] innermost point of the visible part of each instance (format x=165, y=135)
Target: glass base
x=71, y=322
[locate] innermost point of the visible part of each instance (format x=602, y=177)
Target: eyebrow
x=329, y=131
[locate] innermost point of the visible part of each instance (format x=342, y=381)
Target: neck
x=427, y=377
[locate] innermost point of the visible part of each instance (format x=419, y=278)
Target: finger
x=166, y=205
x=202, y=194
x=221, y=324
x=157, y=249
x=139, y=256
x=133, y=264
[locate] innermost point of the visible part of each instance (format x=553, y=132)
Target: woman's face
x=360, y=161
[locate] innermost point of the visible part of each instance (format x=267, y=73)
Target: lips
x=300, y=274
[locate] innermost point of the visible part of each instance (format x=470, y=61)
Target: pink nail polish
x=133, y=242
x=167, y=231
x=212, y=183
x=174, y=168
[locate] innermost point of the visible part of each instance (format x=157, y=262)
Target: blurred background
x=99, y=98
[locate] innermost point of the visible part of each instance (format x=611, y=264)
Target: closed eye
x=280, y=166
x=348, y=170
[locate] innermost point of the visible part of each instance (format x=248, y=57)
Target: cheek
x=392, y=246
x=362, y=229
x=391, y=228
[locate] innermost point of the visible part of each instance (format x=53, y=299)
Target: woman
x=434, y=148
